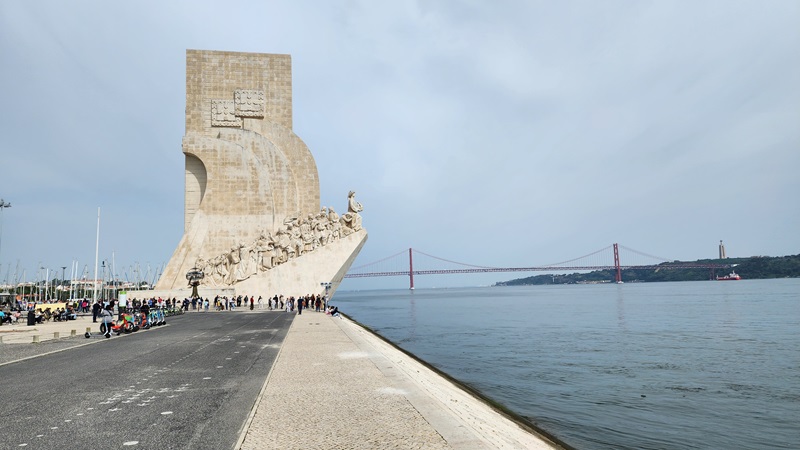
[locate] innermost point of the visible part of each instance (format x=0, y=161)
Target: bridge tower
x=410, y=270
x=616, y=263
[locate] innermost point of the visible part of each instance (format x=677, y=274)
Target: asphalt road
x=188, y=385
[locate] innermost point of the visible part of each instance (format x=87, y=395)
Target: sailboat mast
x=96, y=253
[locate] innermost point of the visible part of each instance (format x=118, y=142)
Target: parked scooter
x=161, y=318
x=124, y=324
x=140, y=321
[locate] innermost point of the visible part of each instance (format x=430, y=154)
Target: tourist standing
x=96, y=311
x=107, y=317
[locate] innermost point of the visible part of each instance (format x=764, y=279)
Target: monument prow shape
x=253, y=223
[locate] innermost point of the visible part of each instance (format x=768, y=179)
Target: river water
x=680, y=365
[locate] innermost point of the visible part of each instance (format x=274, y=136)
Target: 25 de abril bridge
x=414, y=262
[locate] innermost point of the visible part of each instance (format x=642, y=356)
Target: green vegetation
x=754, y=267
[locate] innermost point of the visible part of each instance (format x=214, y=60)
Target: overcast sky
x=502, y=133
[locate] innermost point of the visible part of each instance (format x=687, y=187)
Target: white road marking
x=166, y=413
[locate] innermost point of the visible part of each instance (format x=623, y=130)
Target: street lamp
x=103, y=283
x=63, y=269
x=327, y=288
x=3, y=205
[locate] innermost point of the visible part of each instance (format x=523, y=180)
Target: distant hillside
x=754, y=267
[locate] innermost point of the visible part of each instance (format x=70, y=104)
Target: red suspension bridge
x=608, y=258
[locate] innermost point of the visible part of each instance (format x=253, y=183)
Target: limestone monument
x=253, y=224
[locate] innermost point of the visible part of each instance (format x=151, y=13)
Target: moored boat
x=731, y=276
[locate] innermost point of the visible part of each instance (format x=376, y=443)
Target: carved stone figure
x=221, y=271
x=265, y=248
x=352, y=205
x=307, y=234
x=231, y=262
x=351, y=220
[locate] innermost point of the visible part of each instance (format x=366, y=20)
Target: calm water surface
x=633, y=366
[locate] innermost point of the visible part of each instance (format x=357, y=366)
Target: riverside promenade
x=334, y=385
x=337, y=385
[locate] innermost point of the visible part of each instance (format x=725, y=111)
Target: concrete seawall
x=337, y=385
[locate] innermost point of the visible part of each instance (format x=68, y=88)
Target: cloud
x=512, y=133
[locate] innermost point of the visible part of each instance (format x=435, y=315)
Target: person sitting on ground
x=4, y=318
x=333, y=311
x=70, y=314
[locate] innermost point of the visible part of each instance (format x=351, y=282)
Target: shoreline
x=337, y=384
x=497, y=407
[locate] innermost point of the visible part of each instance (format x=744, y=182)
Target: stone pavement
x=336, y=385
x=21, y=333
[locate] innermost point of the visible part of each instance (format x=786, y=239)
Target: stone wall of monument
x=215, y=75
x=247, y=174
x=228, y=92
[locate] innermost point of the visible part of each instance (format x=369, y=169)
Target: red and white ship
x=731, y=276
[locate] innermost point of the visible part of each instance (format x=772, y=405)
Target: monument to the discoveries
x=252, y=220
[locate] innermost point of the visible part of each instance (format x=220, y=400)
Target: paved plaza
x=21, y=333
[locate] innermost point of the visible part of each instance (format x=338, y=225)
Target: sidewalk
x=336, y=385
x=21, y=333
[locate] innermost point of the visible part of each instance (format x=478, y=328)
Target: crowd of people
x=277, y=302
x=318, y=303
x=13, y=313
